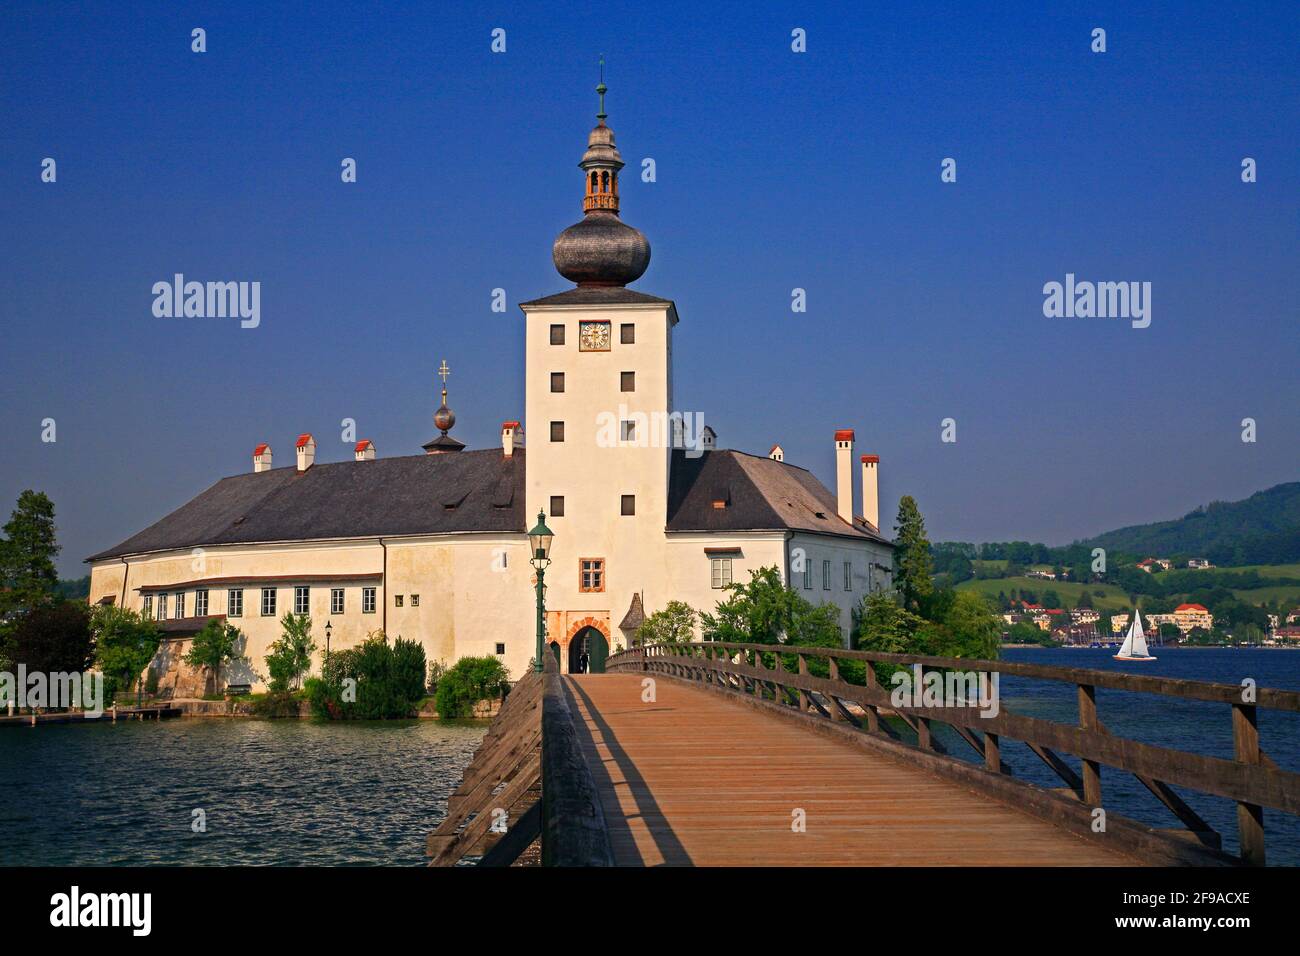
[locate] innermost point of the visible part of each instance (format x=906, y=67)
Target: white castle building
x=433, y=547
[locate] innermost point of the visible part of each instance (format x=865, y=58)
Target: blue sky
x=775, y=170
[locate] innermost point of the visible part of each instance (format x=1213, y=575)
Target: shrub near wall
x=377, y=680
x=468, y=681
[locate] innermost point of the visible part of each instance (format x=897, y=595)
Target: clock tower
x=598, y=398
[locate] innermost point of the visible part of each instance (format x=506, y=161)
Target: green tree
x=971, y=629
x=217, y=644
x=911, y=555
x=27, y=553
x=675, y=624
x=290, y=657
x=765, y=611
x=52, y=638
x=468, y=681
x=125, y=643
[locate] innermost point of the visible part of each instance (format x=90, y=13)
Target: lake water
x=273, y=791
x=361, y=793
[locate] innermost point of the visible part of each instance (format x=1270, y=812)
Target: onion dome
x=601, y=250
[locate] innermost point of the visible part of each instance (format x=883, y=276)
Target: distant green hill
x=1262, y=529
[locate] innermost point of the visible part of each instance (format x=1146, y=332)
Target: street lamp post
x=328, y=625
x=539, y=540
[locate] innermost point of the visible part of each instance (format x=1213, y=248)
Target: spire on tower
x=443, y=419
x=600, y=89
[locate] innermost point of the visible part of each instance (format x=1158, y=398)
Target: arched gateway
x=592, y=643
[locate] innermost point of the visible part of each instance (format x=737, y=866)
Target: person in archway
x=583, y=661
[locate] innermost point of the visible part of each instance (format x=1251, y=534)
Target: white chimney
x=844, y=473
x=262, y=458
x=512, y=437
x=777, y=453
x=365, y=450
x=306, y=451
x=871, y=489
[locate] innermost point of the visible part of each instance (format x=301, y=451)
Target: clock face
x=593, y=337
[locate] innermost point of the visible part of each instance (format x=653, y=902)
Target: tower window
x=627, y=430
x=591, y=574
x=627, y=381
x=557, y=381
x=557, y=431
x=627, y=333
x=627, y=505
x=557, y=335
x=557, y=506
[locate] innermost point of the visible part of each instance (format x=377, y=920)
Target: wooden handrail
x=574, y=832
x=1251, y=778
x=531, y=765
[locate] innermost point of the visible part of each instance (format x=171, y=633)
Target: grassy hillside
x=1113, y=599
x=1263, y=528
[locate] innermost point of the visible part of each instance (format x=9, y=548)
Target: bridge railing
x=528, y=779
x=815, y=681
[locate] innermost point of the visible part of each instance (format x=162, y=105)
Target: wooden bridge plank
x=695, y=779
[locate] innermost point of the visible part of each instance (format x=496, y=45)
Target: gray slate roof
x=761, y=494
x=471, y=491
x=349, y=499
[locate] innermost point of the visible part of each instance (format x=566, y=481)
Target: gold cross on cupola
x=443, y=372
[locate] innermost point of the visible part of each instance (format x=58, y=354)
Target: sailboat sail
x=1135, y=642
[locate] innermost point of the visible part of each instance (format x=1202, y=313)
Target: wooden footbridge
x=723, y=754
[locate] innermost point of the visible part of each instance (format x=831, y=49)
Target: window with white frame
x=201, y=602
x=162, y=607
x=719, y=572
x=807, y=575
x=336, y=600
x=235, y=602
x=848, y=575
x=826, y=575
x=179, y=607
x=367, y=600
x=268, y=602
x=146, y=609
x=415, y=600
x=302, y=600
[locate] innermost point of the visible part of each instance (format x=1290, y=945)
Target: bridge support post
x=1250, y=816
x=1091, y=769
x=803, y=695
x=992, y=753
x=837, y=713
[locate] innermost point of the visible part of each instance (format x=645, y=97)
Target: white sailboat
x=1135, y=642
